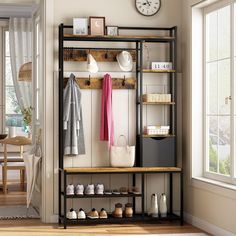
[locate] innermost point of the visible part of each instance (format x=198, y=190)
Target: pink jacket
x=107, y=123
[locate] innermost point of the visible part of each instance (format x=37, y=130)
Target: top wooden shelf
x=118, y=38
x=89, y=170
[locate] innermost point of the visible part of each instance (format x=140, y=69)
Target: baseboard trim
x=206, y=226
x=54, y=219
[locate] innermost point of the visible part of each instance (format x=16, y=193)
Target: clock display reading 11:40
x=148, y=7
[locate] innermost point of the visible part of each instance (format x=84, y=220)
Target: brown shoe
x=123, y=190
x=103, y=214
x=128, y=212
x=93, y=214
x=117, y=213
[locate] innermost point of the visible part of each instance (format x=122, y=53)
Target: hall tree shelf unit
x=155, y=154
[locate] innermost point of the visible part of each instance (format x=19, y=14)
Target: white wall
x=123, y=100
x=213, y=205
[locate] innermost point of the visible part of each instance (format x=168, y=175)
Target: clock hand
x=148, y=3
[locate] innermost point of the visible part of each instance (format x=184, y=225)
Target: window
x=10, y=114
x=219, y=91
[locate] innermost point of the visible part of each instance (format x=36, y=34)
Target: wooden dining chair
x=9, y=165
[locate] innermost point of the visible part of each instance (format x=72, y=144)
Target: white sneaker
x=79, y=189
x=99, y=189
x=81, y=214
x=70, y=189
x=71, y=215
x=89, y=190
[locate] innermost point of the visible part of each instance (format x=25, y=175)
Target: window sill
x=216, y=187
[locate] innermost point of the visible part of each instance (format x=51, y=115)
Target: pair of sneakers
x=72, y=215
x=91, y=189
x=78, y=189
x=93, y=214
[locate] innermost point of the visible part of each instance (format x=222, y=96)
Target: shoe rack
x=137, y=217
x=155, y=154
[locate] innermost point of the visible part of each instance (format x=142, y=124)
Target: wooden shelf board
x=158, y=71
x=119, y=37
x=158, y=103
x=121, y=170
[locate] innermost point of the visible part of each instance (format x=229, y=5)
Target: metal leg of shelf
x=59, y=197
x=65, y=202
x=181, y=198
x=134, y=199
x=142, y=176
x=171, y=193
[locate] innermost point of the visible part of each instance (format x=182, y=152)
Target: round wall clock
x=148, y=7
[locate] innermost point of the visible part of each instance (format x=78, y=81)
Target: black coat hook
x=88, y=81
x=123, y=82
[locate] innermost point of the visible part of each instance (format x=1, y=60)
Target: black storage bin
x=157, y=152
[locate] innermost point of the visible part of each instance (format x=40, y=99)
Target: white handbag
x=122, y=155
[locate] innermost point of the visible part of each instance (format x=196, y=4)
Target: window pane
x=212, y=137
x=8, y=74
x=224, y=32
x=212, y=88
x=12, y=106
x=211, y=36
x=224, y=86
x=224, y=145
x=7, y=48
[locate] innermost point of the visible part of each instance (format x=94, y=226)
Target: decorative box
x=161, y=65
x=154, y=97
x=156, y=130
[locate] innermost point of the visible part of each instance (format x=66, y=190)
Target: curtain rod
x=4, y=18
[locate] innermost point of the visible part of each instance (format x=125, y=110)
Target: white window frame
x=207, y=174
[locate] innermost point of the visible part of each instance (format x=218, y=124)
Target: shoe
x=123, y=190
x=107, y=191
x=89, y=190
x=115, y=191
x=134, y=190
x=93, y=214
x=99, y=189
x=70, y=189
x=81, y=214
x=117, y=213
x=71, y=215
x=128, y=212
x=79, y=189
x=103, y=214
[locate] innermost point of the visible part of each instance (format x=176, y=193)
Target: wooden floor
x=36, y=228
x=14, y=196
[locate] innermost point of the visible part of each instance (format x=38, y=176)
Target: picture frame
x=112, y=30
x=97, y=25
x=80, y=26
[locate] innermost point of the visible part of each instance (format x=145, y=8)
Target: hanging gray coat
x=72, y=119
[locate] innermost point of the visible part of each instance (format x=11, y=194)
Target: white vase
x=153, y=211
x=163, y=205
x=12, y=131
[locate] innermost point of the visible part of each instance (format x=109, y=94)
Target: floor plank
x=36, y=228
x=14, y=196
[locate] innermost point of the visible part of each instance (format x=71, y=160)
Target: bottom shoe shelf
x=112, y=220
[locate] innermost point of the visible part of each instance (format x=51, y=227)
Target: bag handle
x=124, y=137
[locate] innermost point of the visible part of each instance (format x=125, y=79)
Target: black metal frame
x=139, y=41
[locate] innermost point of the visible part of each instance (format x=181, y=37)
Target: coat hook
x=88, y=81
x=123, y=82
x=106, y=55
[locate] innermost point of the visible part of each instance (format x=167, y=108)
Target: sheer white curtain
x=20, y=37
